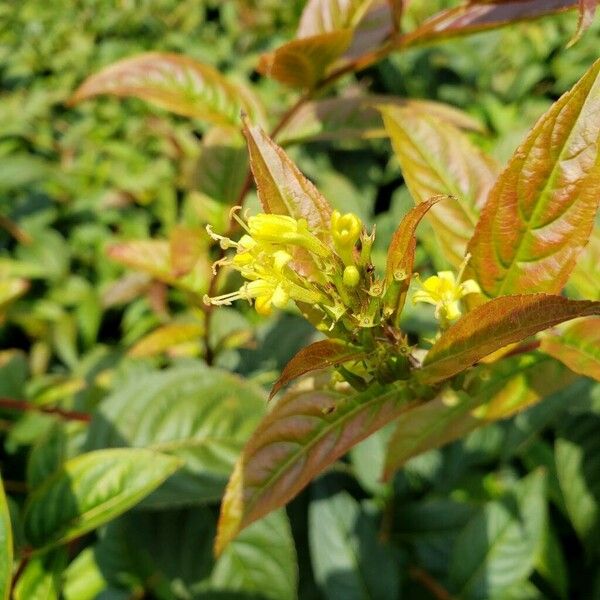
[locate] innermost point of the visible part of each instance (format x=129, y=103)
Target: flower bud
x=351, y=276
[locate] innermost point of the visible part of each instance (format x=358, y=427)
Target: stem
x=429, y=583
x=24, y=406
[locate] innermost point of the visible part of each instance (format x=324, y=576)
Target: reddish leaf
x=349, y=117
x=471, y=17
x=509, y=386
x=541, y=211
x=322, y=16
x=578, y=347
x=297, y=440
x=438, y=159
x=496, y=324
x=401, y=257
x=374, y=28
x=176, y=83
x=282, y=189
x=319, y=355
x=186, y=247
x=587, y=11
x=303, y=63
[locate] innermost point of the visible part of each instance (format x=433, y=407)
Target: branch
x=24, y=406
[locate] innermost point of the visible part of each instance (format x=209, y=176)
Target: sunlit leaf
x=498, y=546
x=174, y=82
x=161, y=339
x=496, y=324
x=90, y=490
x=584, y=281
x=6, y=547
x=349, y=561
x=41, y=578
x=10, y=290
x=471, y=17
x=577, y=346
x=202, y=416
x=509, y=386
x=282, y=189
x=318, y=355
x=351, y=117
x=401, y=256
x=436, y=159
x=303, y=62
x=303, y=434
x=186, y=247
x=541, y=210
x=322, y=16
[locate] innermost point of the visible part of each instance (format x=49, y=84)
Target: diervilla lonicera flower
x=445, y=292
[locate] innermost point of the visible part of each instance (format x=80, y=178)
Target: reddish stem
x=24, y=406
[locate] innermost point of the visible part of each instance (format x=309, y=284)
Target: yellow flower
x=445, y=291
x=345, y=231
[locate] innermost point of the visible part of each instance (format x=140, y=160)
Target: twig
x=24, y=406
x=429, y=583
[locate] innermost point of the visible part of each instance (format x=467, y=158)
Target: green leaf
x=261, y=561
x=303, y=434
x=540, y=213
x=176, y=83
x=322, y=16
x=282, y=189
x=507, y=386
x=357, y=117
x=10, y=290
x=348, y=559
x=401, y=257
x=437, y=159
x=90, y=490
x=577, y=346
x=583, y=280
x=41, y=578
x=316, y=356
x=551, y=563
x=496, y=324
x=83, y=579
x=6, y=546
x=577, y=455
x=498, y=546
x=303, y=63
x=203, y=416
x=166, y=337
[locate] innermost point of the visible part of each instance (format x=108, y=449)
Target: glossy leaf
x=496, y=324
x=577, y=346
x=437, y=159
x=541, y=210
x=282, y=188
x=6, y=547
x=303, y=434
x=174, y=82
x=577, y=456
x=40, y=579
x=510, y=386
x=350, y=117
x=303, y=62
x=202, y=416
x=163, y=338
x=349, y=561
x=497, y=548
x=316, y=356
x=322, y=16
x=401, y=256
x=261, y=561
x=90, y=490
x=471, y=17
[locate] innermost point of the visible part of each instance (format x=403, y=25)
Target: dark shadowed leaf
x=497, y=548
x=92, y=489
x=282, y=189
x=303, y=62
x=177, y=83
x=303, y=434
x=496, y=324
x=541, y=210
x=348, y=558
x=577, y=346
x=320, y=355
x=436, y=159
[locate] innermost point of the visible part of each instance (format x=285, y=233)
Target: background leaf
x=496, y=324
x=174, y=82
x=321, y=16
x=90, y=490
x=40, y=579
x=437, y=159
x=541, y=210
x=6, y=546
